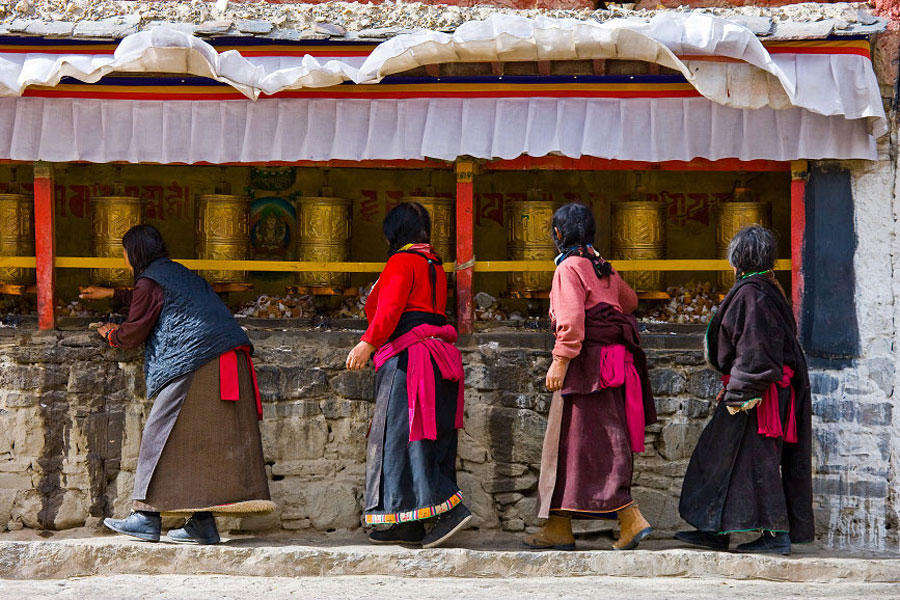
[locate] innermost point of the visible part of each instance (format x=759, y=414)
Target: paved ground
x=85, y=564
x=175, y=587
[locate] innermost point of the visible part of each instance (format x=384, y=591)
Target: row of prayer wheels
x=324, y=234
x=638, y=232
x=222, y=232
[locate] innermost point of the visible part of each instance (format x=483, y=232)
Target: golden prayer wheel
x=323, y=235
x=639, y=233
x=16, y=235
x=530, y=238
x=223, y=233
x=442, y=224
x=111, y=218
x=731, y=217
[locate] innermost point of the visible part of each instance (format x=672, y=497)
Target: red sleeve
x=390, y=295
x=146, y=304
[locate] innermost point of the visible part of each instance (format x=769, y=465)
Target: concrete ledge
x=276, y=556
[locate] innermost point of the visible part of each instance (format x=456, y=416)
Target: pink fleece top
x=576, y=289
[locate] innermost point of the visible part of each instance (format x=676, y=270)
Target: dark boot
x=704, y=539
x=768, y=543
x=199, y=529
x=141, y=524
x=448, y=525
x=402, y=533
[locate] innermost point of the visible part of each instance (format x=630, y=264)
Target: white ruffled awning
x=753, y=103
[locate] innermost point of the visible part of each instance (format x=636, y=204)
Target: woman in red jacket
x=411, y=457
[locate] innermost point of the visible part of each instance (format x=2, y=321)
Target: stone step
x=476, y=555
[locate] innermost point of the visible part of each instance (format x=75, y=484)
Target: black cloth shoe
x=768, y=543
x=447, y=526
x=141, y=524
x=704, y=539
x=411, y=532
x=199, y=529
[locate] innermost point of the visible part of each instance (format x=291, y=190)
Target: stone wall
x=71, y=413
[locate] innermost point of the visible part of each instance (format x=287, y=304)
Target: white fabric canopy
x=753, y=106
x=294, y=129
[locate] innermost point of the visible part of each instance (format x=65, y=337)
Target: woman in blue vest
x=201, y=453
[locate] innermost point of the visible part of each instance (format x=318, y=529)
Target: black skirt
x=734, y=481
x=409, y=481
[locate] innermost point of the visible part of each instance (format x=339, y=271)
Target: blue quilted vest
x=194, y=326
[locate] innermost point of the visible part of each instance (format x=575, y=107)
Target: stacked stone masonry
x=71, y=414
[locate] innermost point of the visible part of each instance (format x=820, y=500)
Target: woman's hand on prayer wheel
x=95, y=292
x=556, y=374
x=359, y=356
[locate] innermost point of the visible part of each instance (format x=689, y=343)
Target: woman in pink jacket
x=602, y=399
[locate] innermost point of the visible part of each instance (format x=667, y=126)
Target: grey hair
x=753, y=249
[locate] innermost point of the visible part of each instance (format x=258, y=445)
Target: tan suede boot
x=633, y=527
x=556, y=534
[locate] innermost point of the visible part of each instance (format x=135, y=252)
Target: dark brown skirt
x=587, y=464
x=211, y=456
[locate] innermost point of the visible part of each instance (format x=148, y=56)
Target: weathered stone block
x=522, y=482
x=294, y=438
x=332, y=505
x=822, y=383
x=30, y=378
x=666, y=382
x=659, y=508
x=697, y=409
x=881, y=371
x=510, y=435
x=678, y=438
x=477, y=500
x=72, y=511
x=704, y=384
x=358, y=385
x=667, y=406
x=301, y=382
x=471, y=451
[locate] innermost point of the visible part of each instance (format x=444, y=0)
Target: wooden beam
x=689, y=264
x=799, y=175
x=44, y=244
x=465, y=245
x=481, y=266
x=589, y=163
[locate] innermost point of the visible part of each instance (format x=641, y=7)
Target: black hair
x=406, y=223
x=576, y=226
x=753, y=249
x=144, y=244
x=577, y=229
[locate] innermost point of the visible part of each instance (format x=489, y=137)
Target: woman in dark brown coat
x=751, y=469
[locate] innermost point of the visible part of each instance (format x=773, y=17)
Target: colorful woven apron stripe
x=417, y=514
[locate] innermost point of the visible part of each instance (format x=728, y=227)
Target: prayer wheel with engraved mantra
x=323, y=235
x=223, y=233
x=442, y=224
x=639, y=233
x=111, y=218
x=529, y=238
x=731, y=217
x=16, y=235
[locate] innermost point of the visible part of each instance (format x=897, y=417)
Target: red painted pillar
x=44, y=244
x=465, y=245
x=798, y=232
